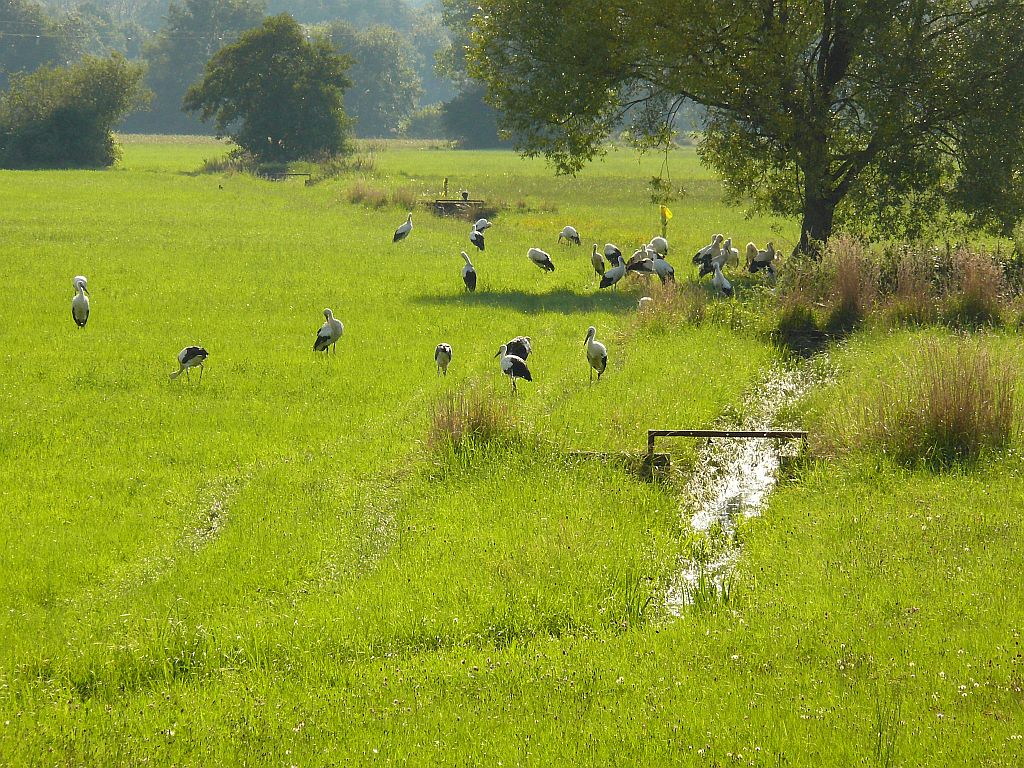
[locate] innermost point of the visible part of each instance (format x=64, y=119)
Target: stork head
x=328, y=314
x=717, y=239
x=501, y=351
x=465, y=256
x=591, y=333
x=80, y=283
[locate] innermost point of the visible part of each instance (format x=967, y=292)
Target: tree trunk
x=819, y=212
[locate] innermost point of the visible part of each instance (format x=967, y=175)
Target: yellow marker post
x=666, y=214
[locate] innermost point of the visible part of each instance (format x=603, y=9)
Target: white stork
x=719, y=283
x=702, y=255
x=191, y=357
x=468, y=273
x=570, y=234
x=732, y=255
x=641, y=262
x=717, y=256
x=403, y=231
x=481, y=225
x=598, y=261
x=513, y=367
x=597, y=354
x=519, y=347
x=443, y=357
x=476, y=237
x=329, y=333
x=541, y=258
x=659, y=245
x=612, y=253
x=80, y=303
x=758, y=260
x=664, y=270
x=613, y=275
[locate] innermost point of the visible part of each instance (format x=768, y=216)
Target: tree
x=195, y=31
x=385, y=87
x=278, y=95
x=62, y=117
x=29, y=38
x=468, y=118
x=861, y=113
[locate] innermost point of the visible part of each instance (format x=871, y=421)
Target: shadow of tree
x=561, y=300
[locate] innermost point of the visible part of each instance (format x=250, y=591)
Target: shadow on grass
x=562, y=300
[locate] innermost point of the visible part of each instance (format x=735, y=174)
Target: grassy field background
x=275, y=568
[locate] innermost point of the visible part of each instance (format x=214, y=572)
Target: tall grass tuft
x=465, y=421
x=363, y=193
x=948, y=403
x=912, y=303
x=404, y=197
x=672, y=304
x=853, y=282
x=975, y=296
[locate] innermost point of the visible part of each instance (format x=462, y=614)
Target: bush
x=63, y=117
x=947, y=402
x=425, y=123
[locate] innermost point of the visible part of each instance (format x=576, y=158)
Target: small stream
x=733, y=477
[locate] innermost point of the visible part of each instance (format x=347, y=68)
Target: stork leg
x=201, y=369
x=188, y=378
x=592, y=374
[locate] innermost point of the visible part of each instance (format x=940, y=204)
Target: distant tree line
x=407, y=67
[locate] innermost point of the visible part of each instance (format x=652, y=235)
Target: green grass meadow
x=276, y=567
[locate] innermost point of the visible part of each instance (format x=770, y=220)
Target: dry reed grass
x=470, y=419
x=851, y=282
x=673, y=303
x=949, y=402
x=977, y=290
x=363, y=193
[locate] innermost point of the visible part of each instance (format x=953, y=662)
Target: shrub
x=62, y=117
x=470, y=419
x=948, y=402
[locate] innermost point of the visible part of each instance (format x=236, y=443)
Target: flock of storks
x=649, y=259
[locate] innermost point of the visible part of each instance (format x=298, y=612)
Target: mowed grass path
x=273, y=568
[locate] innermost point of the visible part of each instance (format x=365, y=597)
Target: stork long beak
x=497, y=353
x=86, y=290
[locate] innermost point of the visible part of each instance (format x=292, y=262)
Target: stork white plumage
x=659, y=245
x=664, y=270
x=732, y=255
x=443, y=357
x=758, y=260
x=569, y=234
x=597, y=354
x=719, y=283
x=520, y=347
x=641, y=262
x=188, y=358
x=702, y=255
x=403, y=231
x=598, y=261
x=541, y=258
x=80, y=279
x=329, y=334
x=514, y=367
x=612, y=253
x=476, y=237
x=80, y=302
x=481, y=225
x=468, y=273
x=718, y=255
x=613, y=275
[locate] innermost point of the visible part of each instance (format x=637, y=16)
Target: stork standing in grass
x=80, y=302
x=664, y=270
x=569, y=234
x=758, y=260
x=704, y=253
x=476, y=237
x=660, y=246
x=514, y=367
x=443, y=357
x=541, y=258
x=641, y=262
x=613, y=275
x=191, y=357
x=612, y=253
x=598, y=261
x=481, y=225
x=468, y=273
x=719, y=283
x=329, y=333
x=519, y=347
x=403, y=231
x=597, y=354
